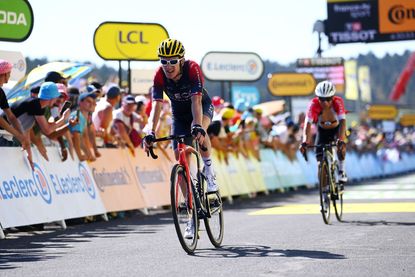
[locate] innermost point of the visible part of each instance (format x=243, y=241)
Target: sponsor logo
x=12, y=18
x=398, y=14
x=106, y=178
x=44, y=186
x=87, y=180
x=149, y=176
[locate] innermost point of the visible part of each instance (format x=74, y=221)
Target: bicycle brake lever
x=151, y=152
x=305, y=156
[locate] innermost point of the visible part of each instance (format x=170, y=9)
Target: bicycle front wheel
x=184, y=212
x=338, y=204
x=324, y=187
x=214, y=224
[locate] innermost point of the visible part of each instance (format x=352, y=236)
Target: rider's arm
x=342, y=129
x=154, y=115
x=197, y=109
x=307, y=132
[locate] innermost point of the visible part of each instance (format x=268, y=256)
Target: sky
x=277, y=30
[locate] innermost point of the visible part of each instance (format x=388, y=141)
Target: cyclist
x=192, y=108
x=328, y=112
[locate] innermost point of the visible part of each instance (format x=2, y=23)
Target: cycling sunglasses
x=328, y=99
x=170, y=62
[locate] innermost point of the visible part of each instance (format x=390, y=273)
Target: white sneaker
x=189, y=231
x=342, y=177
x=211, y=184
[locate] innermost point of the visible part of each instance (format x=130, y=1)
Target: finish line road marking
x=403, y=207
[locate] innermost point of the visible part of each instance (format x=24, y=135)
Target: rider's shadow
x=255, y=251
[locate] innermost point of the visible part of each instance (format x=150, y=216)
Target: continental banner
x=116, y=181
x=153, y=177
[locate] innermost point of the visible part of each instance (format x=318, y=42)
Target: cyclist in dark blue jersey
x=182, y=81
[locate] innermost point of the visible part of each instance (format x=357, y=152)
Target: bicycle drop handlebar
x=172, y=137
x=318, y=146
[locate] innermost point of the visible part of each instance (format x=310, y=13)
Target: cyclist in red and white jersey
x=328, y=112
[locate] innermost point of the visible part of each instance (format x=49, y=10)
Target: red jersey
x=315, y=109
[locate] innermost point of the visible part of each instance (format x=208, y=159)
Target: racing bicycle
x=329, y=185
x=190, y=199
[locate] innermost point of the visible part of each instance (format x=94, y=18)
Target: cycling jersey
x=315, y=109
x=180, y=93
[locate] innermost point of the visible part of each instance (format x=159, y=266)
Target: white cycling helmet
x=325, y=89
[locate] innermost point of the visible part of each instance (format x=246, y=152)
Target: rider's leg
x=210, y=175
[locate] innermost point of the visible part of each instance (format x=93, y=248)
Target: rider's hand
x=341, y=149
x=303, y=147
x=148, y=141
x=198, y=133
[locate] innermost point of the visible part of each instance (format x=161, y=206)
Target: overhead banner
x=363, y=76
x=51, y=192
x=352, y=89
x=291, y=84
x=232, y=66
x=16, y=20
x=142, y=80
x=129, y=41
x=19, y=64
x=330, y=68
x=370, y=20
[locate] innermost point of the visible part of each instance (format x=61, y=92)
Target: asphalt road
x=281, y=234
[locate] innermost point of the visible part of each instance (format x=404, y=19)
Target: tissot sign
x=16, y=20
x=128, y=41
x=370, y=21
x=232, y=66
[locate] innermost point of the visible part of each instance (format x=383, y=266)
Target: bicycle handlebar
x=172, y=137
x=317, y=146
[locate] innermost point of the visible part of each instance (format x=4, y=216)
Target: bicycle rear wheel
x=215, y=223
x=183, y=213
x=324, y=187
x=338, y=204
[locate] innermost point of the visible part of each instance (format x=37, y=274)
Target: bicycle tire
x=215, y=224
x=180, y=208
x=324, y=188
x=338, y=204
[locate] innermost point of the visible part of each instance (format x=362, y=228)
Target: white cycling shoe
x=190, y=230
x=211, y=184
x=342, y=177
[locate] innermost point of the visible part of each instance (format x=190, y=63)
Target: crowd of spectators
x=78, y=120
x=82, y=120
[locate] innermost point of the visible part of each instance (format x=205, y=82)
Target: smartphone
x=66, y=106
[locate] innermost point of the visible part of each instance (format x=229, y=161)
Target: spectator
x=98, y=89
x=34, y=92
x=80, y=135
x=57, y=77
x=102, y=116
x=31, y=110
x=123, y=122
x=15, y=128
x=53, y=113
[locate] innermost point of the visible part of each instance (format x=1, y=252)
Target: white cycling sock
x=208, y=166
x=342, y=166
